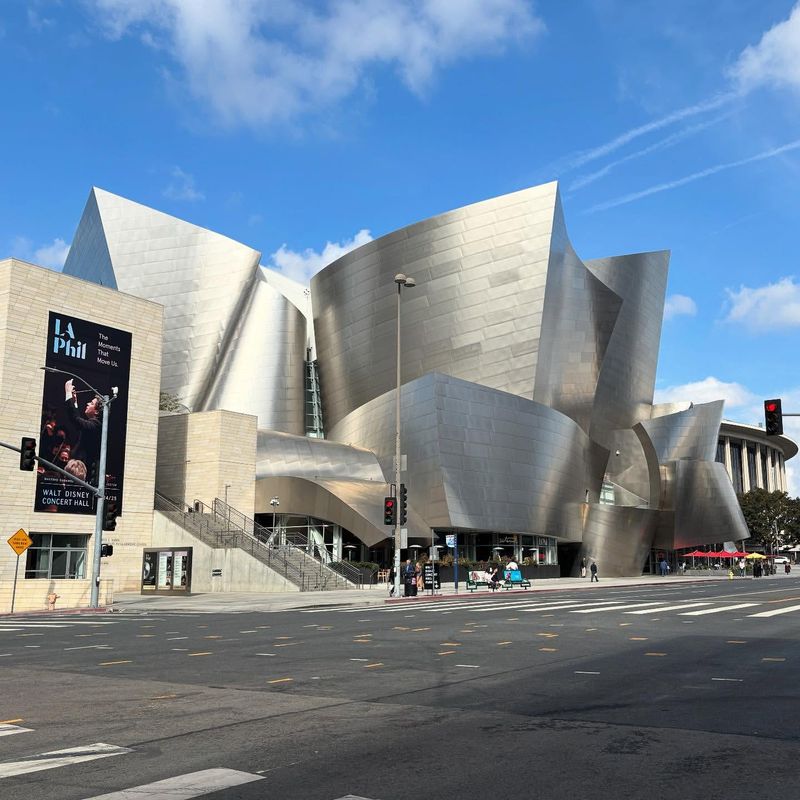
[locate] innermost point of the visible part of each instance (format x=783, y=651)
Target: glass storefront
x=56, y=555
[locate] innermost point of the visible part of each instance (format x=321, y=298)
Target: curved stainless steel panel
x=355, y=505
x=198, y=276
x=262, y=369
x=482, y=459
x=300, y=456
x=475, y=313
x=689, y=434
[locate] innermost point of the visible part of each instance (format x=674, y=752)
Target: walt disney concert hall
x=527, y=379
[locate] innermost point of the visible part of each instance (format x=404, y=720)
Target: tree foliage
x=170, y=402
x=772, y=517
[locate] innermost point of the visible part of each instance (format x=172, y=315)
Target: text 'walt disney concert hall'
x=527, y=379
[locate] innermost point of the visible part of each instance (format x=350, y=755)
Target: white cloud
x=51, y=255
x=775, y=60
x=735, y=395
x=258, y=62
x=182, y=186
x=776, y=305
x=301, y=266
x=679, y=305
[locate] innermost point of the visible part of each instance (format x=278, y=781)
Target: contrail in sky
x=695, y=176
x=688, y=111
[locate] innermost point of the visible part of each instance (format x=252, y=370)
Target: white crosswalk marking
x=717, y=610
x=60, y=758
x=10, y=730
x=615, y=608
x=775, y=612
x=678, y=607
x=184, y=787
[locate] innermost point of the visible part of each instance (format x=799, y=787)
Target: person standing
x=409, y=578
x=593, y=570
x=392, y=573
x=583, y=568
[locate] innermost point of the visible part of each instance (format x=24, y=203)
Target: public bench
x=476, y=580
x=514, y=578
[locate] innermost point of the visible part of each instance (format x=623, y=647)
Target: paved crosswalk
x=635, y=607
x=44, y=624
x=178, y=787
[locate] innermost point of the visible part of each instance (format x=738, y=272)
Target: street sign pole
x=14, y=590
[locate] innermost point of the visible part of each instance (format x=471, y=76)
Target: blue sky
x=300, y=128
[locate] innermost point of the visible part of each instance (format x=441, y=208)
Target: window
x=751, y=464
x=56, y=555
x=720, y=458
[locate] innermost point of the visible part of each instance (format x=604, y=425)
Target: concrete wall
x=240, y=571
x=27, y=294
x=198, y=454
x=32, y=595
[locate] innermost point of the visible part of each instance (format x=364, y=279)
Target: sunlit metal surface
x=528, y=375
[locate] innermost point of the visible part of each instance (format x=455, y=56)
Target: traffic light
x=106, y=550
x=389, y=510
x=92, y=477
x=773, y=417
x=27, y=460
x=403, y=502
x=110, y=514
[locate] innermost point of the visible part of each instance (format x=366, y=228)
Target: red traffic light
x=771, y=405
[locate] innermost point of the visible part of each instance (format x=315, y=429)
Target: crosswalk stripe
x=678, y=607
x=60, y=758
x=184, y=787
x=615, y=608
x=10, y=730
x=775, y=612
x=717, y=610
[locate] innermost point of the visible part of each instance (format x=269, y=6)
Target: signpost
x=430, y=576
x=19, y=543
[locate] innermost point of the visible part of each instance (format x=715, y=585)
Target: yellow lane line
x=111, y=663
x=164, y=697
x=638, y=638
x=548, y=635
x=214, y=636
x=146, y=635
x=499, y=643
x=655, y=654
x=466, y=631
x=400, y=628
x=278, y=638
x=370, y=666
x=450, y=644
x=625, y=624
x=11, y=721
x=590, y=629
x=420, y=629
x=287, y=644
x=281, y=680
x=205, y=653
x=548, y=649
x=447, y=652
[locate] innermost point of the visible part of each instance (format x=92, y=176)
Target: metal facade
x=528, y=375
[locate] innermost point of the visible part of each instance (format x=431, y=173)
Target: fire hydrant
x=51, y=601
x=730, y=574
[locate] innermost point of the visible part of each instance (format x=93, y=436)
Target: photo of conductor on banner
x=84, y=362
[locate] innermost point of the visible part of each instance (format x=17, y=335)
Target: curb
x=39, y=612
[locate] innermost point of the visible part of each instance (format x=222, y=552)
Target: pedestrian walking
x=593, y=570
x=392, y=573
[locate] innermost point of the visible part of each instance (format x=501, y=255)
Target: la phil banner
x=72, y=414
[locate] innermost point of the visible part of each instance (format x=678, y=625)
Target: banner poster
x=72, y=415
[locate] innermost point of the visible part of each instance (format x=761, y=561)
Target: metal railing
x=222, y=526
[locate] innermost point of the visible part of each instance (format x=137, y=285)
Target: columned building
x=752, y=459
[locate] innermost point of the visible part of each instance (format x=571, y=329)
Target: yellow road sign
x=20, y=542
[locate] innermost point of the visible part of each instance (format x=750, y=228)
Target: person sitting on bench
x=497, y=577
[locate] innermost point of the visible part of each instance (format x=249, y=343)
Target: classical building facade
x=527, y=381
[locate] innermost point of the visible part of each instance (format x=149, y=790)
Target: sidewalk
x=376, y=596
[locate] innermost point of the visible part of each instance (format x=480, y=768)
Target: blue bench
x=514, y=578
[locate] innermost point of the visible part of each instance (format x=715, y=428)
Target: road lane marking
x=376, y=664
x=287, y=644
x=91, y=647
x=204, y=653
x=736, y=641
x=773, y=659
x=450, y=644
x=614, y=608
x=585, y=672
x=184, y=787
x=501, y=643
x=655, y=654
x=413, y=630
x=11, y=721
x=775, y=612
x=359, y=659
x=549, y=649
x=177, y=638
x=60, y=758
x=6, y=729
x=112, y=663
x=164, y=697
x=265, y=654
x=716, y=610
x=469, y=666
x=446, y=652
x=281, y=680
x=548, y=635
x=729, y=680
x=638, y=638
x=678, y=607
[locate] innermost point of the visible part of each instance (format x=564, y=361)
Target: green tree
x=773, y=518
x=170, y=402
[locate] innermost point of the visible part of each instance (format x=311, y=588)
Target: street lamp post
x=100, y=491
x=401, y=281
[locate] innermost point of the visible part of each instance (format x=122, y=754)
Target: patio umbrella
x=726, y=554
x=755, y=556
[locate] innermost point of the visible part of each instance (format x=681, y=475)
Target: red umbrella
x=726, y=554
x=694, y=554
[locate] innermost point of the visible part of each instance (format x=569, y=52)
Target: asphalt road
x=674, y=691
